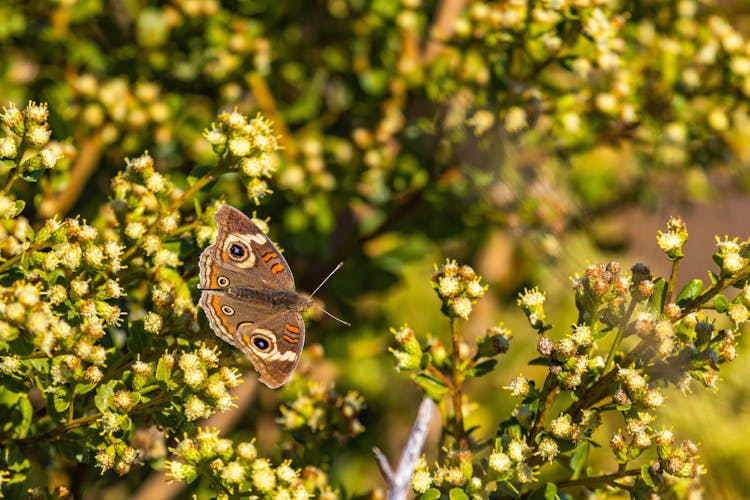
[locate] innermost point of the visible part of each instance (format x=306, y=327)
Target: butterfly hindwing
x=273, y=340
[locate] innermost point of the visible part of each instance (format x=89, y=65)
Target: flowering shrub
x=633, y=337
x=376, y=133
x=99, y=327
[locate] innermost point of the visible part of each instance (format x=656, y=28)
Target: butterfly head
x=304, y=303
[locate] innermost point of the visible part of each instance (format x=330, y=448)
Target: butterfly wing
x=273, y=340
x=242, y=256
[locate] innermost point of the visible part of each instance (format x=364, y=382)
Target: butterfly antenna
x=338, y=266
x=334, y=317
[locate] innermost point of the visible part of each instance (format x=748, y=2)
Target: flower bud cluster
x=26, y=152
x=321, y=411
x=237, y=468
x=602, y=292
x=458, y=287
x=142, y=210
x=672, y=241
x=408, y=352
x=118, y=457
x=26, y=140
x=120, y=112
x=732, y=256
x=531, y=303
x=71, y=308
x=208, y=384
x=456, y=471
x=248, y=146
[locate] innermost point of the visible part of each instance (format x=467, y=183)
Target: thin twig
x=399, y=481
x=596, y=480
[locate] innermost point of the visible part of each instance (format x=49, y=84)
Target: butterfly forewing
x=241, y=246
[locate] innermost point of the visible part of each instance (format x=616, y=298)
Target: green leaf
x=165, y=419
x=431, y=494
x=76, y=443
x=540, y=361
x=646, y=476
x=163, y=373
x=656, y=301
x=713, y=277
x=32, y=169
x=433, y=387
x=105, y=395
x=689, y=292
x=137, y=339
x=22, y=417
x=547, y=491
x=61, y=400
x=482, y=368
x=14, y=459
x=374, y=81
x=125, y=423
x=425, y=361
x=578, y=460
x=458, y=494
x=83, y=388
x=721, y=303
x=20, y=205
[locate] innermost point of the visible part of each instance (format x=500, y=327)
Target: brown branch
x=84, y=167
x=442, y=28
x=267, y=105
x=594, y=480
x=59, y=431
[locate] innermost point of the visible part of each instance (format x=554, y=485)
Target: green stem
x=457, y=388
x=11, y=180
x=20, y=255
x=547, y=397
x=672, y=279
x=710, y=292
x=618, y=338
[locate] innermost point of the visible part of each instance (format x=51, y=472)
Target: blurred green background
x=525, y=139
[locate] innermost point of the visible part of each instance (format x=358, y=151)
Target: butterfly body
x=249, y=297
x=273, y=299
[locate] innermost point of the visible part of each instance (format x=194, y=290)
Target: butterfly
x=248, y=295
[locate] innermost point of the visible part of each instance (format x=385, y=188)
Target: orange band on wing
x=291, y=328
x=290, y=339
x=216, y=305
x=277, y=268
x=269, y=256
